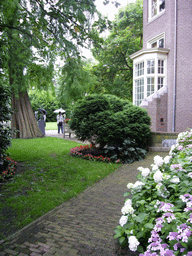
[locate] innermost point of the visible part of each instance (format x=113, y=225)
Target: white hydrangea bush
x=157, y=217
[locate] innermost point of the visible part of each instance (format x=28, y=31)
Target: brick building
x=162, y=70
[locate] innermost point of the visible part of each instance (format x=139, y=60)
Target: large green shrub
x=7, y=165
x=109, y=121
x=5, y=115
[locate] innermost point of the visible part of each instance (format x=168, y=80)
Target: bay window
x=149, y=75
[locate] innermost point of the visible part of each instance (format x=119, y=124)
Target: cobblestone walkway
x=83, y=225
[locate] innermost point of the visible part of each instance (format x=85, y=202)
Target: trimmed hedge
x=106, y=120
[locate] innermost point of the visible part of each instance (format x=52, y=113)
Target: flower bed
x=79, y=151
x=7, y=168
x=157, y=216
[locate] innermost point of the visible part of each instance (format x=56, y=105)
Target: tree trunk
x=23, y=118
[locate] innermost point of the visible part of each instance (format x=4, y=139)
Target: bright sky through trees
x=110, y=11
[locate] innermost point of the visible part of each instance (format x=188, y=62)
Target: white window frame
x=150, y=66
x=158, y=77
x=139, y=68
x=139, y=91
x=150, y=86
x=158, y=4
x=156, y=39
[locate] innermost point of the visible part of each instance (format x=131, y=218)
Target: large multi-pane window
x=139, y=83
x=160, y=66
x=155, y=7
x=160, y=74
x=149, y=77
x=160, y=82
x=139, y=91
x=150, y=85
x=150, y=66
x=139, y=69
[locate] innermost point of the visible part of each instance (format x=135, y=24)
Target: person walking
x=44, y=118
x=60, y=120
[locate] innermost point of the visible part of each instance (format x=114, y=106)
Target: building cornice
x=148, y=51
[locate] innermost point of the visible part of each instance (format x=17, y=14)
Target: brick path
x=84, y=225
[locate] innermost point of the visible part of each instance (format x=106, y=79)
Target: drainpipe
x=175, y=69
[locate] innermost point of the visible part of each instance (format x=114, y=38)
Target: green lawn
x=50, y=176
x=51, y=126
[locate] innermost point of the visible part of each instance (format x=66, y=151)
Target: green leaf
x=140, y=218
x=140, y=249
x=149, y=225
x=121, y=240
x=117, y=235
x=126, y=194
x=141, y=202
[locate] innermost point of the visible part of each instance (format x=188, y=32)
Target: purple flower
x=164, y=246
x=166, y=207
x=154, y=236
x=187, y=209
x=172, y=236
x=187, y=195
x=169, y=253
x=183, y=226
x=177, y=246
x=180, y=147
x=190, y=219
x=177, y=167
x=148, y=253
x=189, y=254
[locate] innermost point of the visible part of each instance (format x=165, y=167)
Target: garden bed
x=157, y=220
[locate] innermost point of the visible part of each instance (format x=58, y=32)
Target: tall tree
x=75, y=80
x=114, y=68
x=33, y=31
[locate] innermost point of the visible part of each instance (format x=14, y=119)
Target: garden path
x=54, y=133
x=83, y=225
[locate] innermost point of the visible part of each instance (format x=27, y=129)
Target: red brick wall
x=161, y=123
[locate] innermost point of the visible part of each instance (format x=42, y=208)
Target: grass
x=50, y=177
x=51, y=126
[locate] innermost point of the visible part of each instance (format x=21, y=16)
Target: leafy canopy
x=34, y=32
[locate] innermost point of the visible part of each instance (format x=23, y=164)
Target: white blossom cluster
x=133, y=243
x=126, y=211
x=164, y=181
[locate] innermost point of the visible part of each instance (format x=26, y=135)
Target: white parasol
x=59, y=110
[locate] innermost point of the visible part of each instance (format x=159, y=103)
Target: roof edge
x=151, y=50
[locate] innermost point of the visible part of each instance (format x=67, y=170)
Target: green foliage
x=44, y=99
x=5, y=116
x=108, y=120
x=115, y=68
x=75, y=80
x=128, y=152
